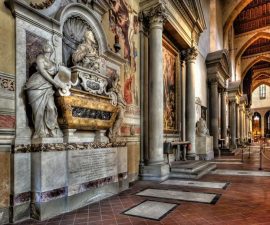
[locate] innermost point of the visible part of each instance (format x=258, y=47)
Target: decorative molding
x=7, y=82
x=42, y=5
x=64, y=147
x=218, y=67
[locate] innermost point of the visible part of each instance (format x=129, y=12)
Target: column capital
x=190, y=54
x=156, y=16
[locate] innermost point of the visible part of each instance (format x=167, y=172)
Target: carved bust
x=201, y=128
x=86, y=54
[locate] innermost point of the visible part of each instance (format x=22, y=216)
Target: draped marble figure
x=201, y=128
x=40, y=91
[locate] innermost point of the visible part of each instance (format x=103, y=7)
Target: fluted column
x=214, y=111
x=223, y=116
x=190, y=57
x=155, y=135
x=233, y=121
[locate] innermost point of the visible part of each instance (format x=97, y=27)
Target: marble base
x=204, y=147
x=4, y=215
x=20, y=212
x=63, y=181
x=157, y=172
x=151, y=210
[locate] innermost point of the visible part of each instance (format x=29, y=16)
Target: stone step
x=208, y=167
x=189, y=167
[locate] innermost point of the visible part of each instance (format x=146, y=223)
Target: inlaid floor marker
x=151, y=210
x=241, y=173
x=181, y=195
x=200, y=184
x=227, y=162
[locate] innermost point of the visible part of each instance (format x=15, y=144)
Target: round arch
x=76, y=9
x=250, y=42
x=256, y=60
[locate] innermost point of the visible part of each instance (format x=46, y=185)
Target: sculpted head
x=89, y=36
x=47, y=48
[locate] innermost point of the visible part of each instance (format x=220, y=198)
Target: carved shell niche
x=73, y=34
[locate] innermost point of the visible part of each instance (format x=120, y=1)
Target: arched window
x=262, y=91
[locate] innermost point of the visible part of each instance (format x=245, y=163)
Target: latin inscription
x=91, y=165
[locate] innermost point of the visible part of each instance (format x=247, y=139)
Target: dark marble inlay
x=49, y=195
x=64, y=147
x=91, y=113
x=20, y=198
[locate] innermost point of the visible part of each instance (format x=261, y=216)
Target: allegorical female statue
x=121, y=104
x=40, y=91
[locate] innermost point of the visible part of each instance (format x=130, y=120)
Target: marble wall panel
x=133, y=159
x=21, y=173
x=48, y=171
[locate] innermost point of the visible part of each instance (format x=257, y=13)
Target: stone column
x=247, y=125
x=183, y=101
x=143, y=146
x=191, y=55
x=237, y=123
x=156, y=18
x=223, y=116
x=233, y=123
x=241, y=125
x=214, y=111
x=156, y=168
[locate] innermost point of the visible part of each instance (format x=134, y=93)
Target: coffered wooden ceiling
x=260, y=46
x=256, y=15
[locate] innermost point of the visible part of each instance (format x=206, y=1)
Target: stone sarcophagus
x=89, y=108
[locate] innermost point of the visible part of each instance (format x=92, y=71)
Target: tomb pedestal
x=204, y=147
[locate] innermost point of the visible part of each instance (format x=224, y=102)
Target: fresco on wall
x=124, y=23
x=169, y=82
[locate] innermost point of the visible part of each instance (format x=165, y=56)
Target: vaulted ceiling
x=260, y=46
x=254, y=16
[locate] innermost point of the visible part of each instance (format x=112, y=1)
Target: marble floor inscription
x=151, y=210
x=180, y=195
x=200, y=184
x=241, y=173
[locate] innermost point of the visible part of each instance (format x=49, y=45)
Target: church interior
x=134, y=112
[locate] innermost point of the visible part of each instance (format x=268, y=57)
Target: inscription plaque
x=91, y=165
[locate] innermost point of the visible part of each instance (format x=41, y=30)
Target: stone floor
x=246, y=200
